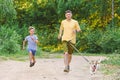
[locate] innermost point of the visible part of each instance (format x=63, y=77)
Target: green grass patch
x=109, y=69
x=111, y=65
x=20, y=56
x=23, y=55
x=113, y=59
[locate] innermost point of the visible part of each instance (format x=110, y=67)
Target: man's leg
x=67, y=55
x=69, y=58
x=70, y=51
x=66, y=62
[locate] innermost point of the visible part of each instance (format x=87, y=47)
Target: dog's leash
x=78, y=52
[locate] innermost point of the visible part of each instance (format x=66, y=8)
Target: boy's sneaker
x=31, y=64
x=67, y=69
x=34, y=63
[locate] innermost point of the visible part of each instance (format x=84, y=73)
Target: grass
x=23, y=55
x=111, y=66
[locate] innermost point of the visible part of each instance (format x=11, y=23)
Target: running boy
x=32, y=45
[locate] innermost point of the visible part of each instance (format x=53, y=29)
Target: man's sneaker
x=67, y=68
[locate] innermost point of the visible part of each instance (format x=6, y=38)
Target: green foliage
x=99, y=41
x=48, y=37
x=94, y=17
x=110, y=41
x=93, y=41
x=9, y=40
x=7, y=11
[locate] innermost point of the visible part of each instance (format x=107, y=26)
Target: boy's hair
x=31, y=28
x=68, y=11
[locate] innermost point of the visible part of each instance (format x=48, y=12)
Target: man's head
x=68, y=14
x=31, y=30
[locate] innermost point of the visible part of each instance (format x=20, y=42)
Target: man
x=67, y=32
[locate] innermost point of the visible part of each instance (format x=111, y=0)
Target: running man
x=67, y=32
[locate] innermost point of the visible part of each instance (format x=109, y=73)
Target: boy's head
x=31, y=30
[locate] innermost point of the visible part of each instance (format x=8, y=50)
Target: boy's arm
x=35, y=40
x=24, y=44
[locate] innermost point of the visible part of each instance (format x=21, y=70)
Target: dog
x=94, y=66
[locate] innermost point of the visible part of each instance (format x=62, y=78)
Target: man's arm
x=78, y=29
x=60, y=34
x=60, y=31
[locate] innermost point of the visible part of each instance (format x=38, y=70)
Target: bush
x=89, y=41
x=93, y=41
x=110, y=41
x=48, y=36
x=9, y=41
x=100, y=41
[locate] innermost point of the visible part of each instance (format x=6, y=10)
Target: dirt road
x=47, y=69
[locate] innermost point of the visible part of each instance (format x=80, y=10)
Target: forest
x=99, y=21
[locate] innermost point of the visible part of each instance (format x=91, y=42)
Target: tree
x=7, y=11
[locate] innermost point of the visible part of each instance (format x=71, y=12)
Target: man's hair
x=31, y=28
x=68, y=11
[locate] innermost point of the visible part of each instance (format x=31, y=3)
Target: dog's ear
x=99, y=61
x=96, y=62
x=92, y=62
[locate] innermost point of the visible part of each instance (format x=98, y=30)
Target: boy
x=32, y=45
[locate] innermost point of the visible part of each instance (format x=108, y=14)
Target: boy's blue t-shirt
x=31, y=43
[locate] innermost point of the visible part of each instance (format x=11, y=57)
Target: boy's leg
x=33, y=59
x=33, y=56
x=30, y=58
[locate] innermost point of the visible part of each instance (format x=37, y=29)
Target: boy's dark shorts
x=32, y=51
x=67, y=47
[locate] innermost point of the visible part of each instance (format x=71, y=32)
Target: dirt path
x=47, y=69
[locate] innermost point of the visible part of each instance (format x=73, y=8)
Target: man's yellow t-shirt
x=68, y=28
